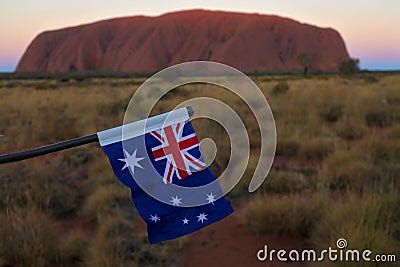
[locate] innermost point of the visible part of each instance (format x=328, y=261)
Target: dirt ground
x=229, y=243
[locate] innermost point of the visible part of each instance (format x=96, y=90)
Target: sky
x=370, y=29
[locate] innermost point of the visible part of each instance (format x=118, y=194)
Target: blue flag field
x=155, y=158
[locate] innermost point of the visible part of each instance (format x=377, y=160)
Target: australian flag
x=172, y=188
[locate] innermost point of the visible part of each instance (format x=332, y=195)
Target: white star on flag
x=176, y=201
x=185, y=221
x=154, y=218
x=131, y=161
x=211, y=198
x=202, y=217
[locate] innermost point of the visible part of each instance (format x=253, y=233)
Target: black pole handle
x=43, y=150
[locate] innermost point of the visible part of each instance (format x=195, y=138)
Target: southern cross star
x=131, y=161
x=154, y=218
x=202, y=217
x=210, y=198
x=176, y=201
x=185, y=221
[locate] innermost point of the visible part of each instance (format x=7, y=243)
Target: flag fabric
x=166, y=152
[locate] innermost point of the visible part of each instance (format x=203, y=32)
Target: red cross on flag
x=175, y=147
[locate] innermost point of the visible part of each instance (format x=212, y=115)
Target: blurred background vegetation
x=336, y=171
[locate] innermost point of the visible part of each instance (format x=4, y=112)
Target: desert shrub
x=331, y=112
x=287, y=147
x=379, y=151
x=370, y=166
x=394, y=132
x=52, y=195
x=46, y=85
x=50, y=124
x=293, y=215
x=63, y=79
x=393, y=98
x=28, y=237
x=379, y=117
x=344, y=172
x=350, y=129
x=39, y=185
x=370, y=79
x=285, y=182
x=384, y=156
x=366, y=223
x=118, y=107
x=108, y=201
x=76, y=158
x=280, y=88
x=349, y=67
x=117, y=244
x=74, y=249
x=11, y=186
x=317, y=148
x=114, y=244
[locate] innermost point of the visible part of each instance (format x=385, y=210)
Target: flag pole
x=47, y=149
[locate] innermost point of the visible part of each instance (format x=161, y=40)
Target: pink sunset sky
x=370, y=28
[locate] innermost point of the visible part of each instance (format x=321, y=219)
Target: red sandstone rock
x=249, y=42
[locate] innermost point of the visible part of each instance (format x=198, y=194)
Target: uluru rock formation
x=249, y=42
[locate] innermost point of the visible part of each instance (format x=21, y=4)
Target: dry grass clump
x=118, y=244
x=292, y=215
x=43, y=186
x=331, y=111
x=280, y=88
x=287, y=147
x=75, y=248
x=28, y=237
x=106, y=201
x=114, y=244
x=53, y=196
x=313, y=148
x=317, y=148
x=380, y=117
x=345, y=173
x=370, y=166
x=286, y=182
x=370, y=222
x=350, y=129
